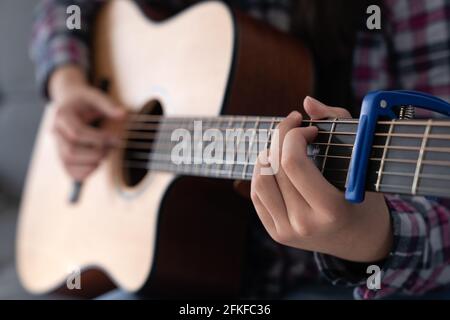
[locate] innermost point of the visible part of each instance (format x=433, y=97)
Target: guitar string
x=234, y=120
x=440, y=163
x=151, y=143
x=155, y=157
x=168, y=129
x=157, y=144
x=248, y=175
x=155, y=148
x=373, y=159
x=162, y=127
x=268, y=119
x=138, y=165
x=179, y=168
x=151, y=135
x=223, y=120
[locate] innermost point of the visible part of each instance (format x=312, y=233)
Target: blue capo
x=377, y=104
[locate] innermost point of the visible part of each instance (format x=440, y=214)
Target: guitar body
x=168, y=235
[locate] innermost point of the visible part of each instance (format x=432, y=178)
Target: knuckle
x=277, y=237
x=288, y=161
x=330, y=216
x=253, y=194
x=258, y=184
x=284, y=238
x=71, y=137
x=283, y=127
x=69, y=151
x=295, y=136
x=301, y=228
x=341, y=112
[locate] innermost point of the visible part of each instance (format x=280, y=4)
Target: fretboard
x=408, y=156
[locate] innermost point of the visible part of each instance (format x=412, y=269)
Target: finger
x=80, y=172
x=293, y=200
x=73, y=155
x=69, y=126
x=103, y=104
x=266, y=188
x=293, y=120
x=264, y=216
x=317, y=110
x=303, y=173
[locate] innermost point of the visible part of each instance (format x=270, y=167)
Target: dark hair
x=329, y=28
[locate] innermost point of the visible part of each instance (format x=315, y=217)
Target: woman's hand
x=81, y=147
x=300, y=208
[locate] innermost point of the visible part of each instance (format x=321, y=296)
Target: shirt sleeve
x=420, y=37
x=53, y=44
x=420, y=258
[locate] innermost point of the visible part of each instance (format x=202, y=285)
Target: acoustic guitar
x=178, y=230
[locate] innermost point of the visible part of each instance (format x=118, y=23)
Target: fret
x=268, y=143
x=383, y=157
x=420, y=159
x=198, y=145
x=159, y=150
x=207, y=166
x=238, y=141
x=211, y=169
x=224, y=170
x=251, y=143
x=185, y=125
x=327, y=149
x=269, y=135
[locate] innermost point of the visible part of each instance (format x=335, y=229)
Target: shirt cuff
x=61, y=50
x=397, y=271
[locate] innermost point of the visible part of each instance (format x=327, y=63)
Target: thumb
x=318, y=110
x=103, y=104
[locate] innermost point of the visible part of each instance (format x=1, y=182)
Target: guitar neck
x=408, y=156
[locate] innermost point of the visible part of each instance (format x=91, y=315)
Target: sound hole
x=141, y=131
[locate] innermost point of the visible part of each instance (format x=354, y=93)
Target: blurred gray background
x=20, y=111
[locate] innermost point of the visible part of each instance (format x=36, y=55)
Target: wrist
x=65, y=80
x=369, y=236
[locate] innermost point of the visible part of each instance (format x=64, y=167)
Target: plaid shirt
x=412, y=53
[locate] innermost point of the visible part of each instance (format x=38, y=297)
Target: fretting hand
x=301, y=209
